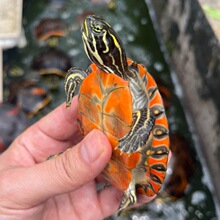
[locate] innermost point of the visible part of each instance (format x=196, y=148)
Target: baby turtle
x=50, y=29
x=119, y=97
x=52, y=64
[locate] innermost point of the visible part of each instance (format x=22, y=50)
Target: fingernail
x=92, y=147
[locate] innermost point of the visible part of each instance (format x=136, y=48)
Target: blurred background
x=178, y=42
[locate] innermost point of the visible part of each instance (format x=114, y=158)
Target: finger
x=61, y=123
x=62, y=174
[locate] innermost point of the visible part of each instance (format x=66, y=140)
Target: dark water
x=131, y=21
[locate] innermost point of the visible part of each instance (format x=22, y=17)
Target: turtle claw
x=68, y=104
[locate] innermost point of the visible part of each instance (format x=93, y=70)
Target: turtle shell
x=50, y=27
x=105, y=103
x=52, y=61
x=101, y=107
x=51, y=64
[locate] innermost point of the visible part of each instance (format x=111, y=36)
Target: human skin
x=64, y=187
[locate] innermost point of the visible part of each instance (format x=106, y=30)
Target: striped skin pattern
x=119, y=97
x=98, y=38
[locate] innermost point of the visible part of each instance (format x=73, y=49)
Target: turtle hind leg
x=121, y=177
x=129, y=198
x=74, y=77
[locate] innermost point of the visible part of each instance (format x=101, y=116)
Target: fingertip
x=60, y=124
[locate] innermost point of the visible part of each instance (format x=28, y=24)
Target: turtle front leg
x=74, y=77
x=143, y=122
x=142, y=126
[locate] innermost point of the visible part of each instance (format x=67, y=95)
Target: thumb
x=65, y=173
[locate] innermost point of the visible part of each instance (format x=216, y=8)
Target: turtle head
x=103, y=46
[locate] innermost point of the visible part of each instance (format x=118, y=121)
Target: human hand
x=63, y=187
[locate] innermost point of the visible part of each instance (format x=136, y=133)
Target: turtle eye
x=97, y=26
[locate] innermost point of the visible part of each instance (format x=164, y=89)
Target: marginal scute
x=158, y=110
x=160, y=132
x=159, y=167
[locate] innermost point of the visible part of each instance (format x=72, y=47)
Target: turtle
x=119, y=97
x=52, y=61
x=50, y=29
x=51, y=64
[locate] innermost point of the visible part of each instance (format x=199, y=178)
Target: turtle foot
x=129, y=198
x=138, y=136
